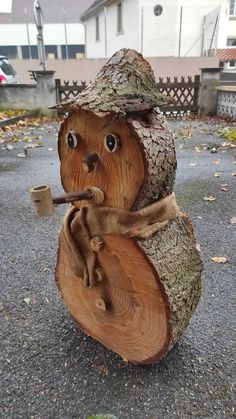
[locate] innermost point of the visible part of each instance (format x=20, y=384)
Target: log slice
x=151, y=286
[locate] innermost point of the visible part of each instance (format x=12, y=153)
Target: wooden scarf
x=83, y=229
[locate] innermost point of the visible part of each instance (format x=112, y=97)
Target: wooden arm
x=43, y=201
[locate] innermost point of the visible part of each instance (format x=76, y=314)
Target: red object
x=226, y=54
x=3, y=79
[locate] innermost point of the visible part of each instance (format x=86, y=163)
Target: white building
x=179, y=28
x=63, y=32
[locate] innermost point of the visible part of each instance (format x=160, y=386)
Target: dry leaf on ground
x=219, y=259
x=209, y=198
x=198, y=247
x=192, y=164
x=217, y=174
x=233, y=220
x=26, y=300
x=216, y=161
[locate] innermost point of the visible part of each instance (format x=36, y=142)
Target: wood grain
x=135, y=323
x=150, y=287
x=120, y=175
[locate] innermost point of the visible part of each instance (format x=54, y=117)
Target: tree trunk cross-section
x=150, y=287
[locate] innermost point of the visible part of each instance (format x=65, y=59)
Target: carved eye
x=71, y=139
x=112, y=142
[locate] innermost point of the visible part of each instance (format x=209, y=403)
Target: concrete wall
x=231, y=28
x=86, y=69
x=192, y=29
x=208, y=91
x=129, y=38
x=160, y=33
x=226, y=103
x=13, y=96
x=28, y=96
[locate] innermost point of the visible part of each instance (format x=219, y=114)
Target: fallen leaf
x=21, y=123
x=22, y=154
x=190, y=134
x=219, y=259
x=216, y=161
x=233, y=220
x=217, y=174
x=198, y=247
x=26, y=300
x=192, y=164
x=198, y=149
x=50, y=149
x=8, y=147
x=233, y=174
x=209, y=198
x=228, y=134
x=224, y=144
x=224, y=189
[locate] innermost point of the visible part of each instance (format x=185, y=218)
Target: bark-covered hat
x=126, y=83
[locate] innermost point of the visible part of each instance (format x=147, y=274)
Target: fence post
x=196, y=92
x=208, y=92
x=45, y=89
x=58, y=91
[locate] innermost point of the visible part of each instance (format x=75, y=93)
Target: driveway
x=52, y=370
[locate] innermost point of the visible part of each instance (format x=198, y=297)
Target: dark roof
x=94, y=8
x=52, y=11
x=226, y=54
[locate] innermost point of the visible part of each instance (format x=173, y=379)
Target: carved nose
x=89, y=162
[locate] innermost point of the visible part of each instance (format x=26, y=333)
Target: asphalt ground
x=49, y=368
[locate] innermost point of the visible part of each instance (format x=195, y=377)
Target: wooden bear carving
x=127, y=267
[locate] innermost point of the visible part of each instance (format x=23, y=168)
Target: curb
x=14, y=119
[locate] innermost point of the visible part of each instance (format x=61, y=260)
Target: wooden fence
x=185, y=93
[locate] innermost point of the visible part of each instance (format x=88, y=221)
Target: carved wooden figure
x=127, y=265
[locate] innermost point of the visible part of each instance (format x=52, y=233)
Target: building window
x=97, y=29
x=120, y=18
x=231, y=42
x=9, y=51
x=232, y=8
x=73, y=51
x=33, y=51
x=51, y=51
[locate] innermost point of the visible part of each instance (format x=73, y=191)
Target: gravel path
x=52, y=370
